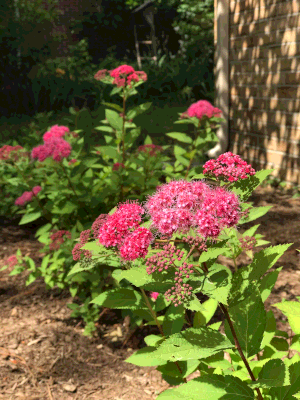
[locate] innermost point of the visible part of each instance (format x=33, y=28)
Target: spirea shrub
x=209, y=319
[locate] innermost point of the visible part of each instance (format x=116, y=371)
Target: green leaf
x=245, y=317
x=193, y=344
x=171, y=369
x=79, y=268
x=179, y=151
x=212, y=387
x=138, y=276
x=120, y=299
x=203, y=317
x=217, y=283
x=254, y=213
x=30, y=218
x=291, y=309
x=295, y=343
x=148, y=140
x=152, y=340
x=104, y=128
x=112, y=105
x=174, y=320
x=211, y=254
x=273, y=374
x=270, y=329
x=181, y=137
x=267, y=283
x=109, y=151
x=244, y=188
x=145, y=357
x=67, y=208
x=95, y=247
x=138, y=110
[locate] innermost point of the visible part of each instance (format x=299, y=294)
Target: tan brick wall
x=264, y=78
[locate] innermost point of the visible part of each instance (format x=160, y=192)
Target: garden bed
x=45, y=356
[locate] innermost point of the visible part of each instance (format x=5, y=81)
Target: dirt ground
x=43, y=354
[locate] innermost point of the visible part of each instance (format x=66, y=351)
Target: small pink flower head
x=102, y=73
x=99, y=221
x=248, y=242
x=122, y=70
x=171, y=220
x=56, y=131
x=120, y=224
x=136, y=244
x=142, y=75
x=58, y=238
x=12, y=261
x=25, y=198
x=73, y=161
x=41, y=152
x=118, y=166
x=12, y=153
x=77, y=251
x=150, y=149
x=154, y=295
x=229, y=167
x=203, y=108
x=36, y=190
x=125, y=75
x=219, y=209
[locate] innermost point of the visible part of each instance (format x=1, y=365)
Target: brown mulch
x=43, y=354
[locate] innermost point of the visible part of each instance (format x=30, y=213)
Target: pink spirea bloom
x=13, y=153
x=126, y=75
x=136, y=244
x=12, y=261
x=72, y=161
x=229, y=166
x=203, y=108
x=100, y=74
x=77, y=251
x=58, y=238
x=120, y=224
x=154, y=295
x=36, y=190
x=179, y=205
x=150, y=149
x=54, y=147
x=56, y=131
x=27, y=196
x=118, y=166
x=218, y=210
x=99, y=221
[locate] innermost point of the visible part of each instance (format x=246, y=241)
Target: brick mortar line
x=265, y=86
x=266, y=98
x=297, y=28
x=269, y=72
x=273, y=151
x=276, y=111
x=288, y=127
x=263, y=135
x=279, y=3
x=265, y=19
x=267, y=47
x=267, y=59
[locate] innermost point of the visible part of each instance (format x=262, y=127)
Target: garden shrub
x=64, y=184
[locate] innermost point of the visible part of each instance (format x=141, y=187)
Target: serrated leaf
x=267, y=283
x=181, y=137
x=203, y=317
x=171, y=369
x=255, y=213
x=244, y=317
x=212, y=388
x=138, y=276
x=244, y=188
x=174, y=320
x=30, y=218
x=217, y=283
x=270, y=329
x=291, y=309
x=273, y=374
x=152, y=340
x=145, y=357
x=120, y=298
x=193, y=344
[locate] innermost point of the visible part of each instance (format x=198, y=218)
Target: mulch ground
x=43, y=354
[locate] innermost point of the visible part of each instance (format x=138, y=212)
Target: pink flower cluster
x=54, y=147
x=179, y=205
x=27, y=196
x=122, y=229
x=99, y=221
x=170, y=257
x=77, y=252
x=73, y=161
x=58, y=238
x=118, y=166
x=248, y=242
x=150, y=149
x=202, y=108
x=154, y=295
x=56, y=131
x=228, y=166
x=13, y=153
x=12, y=261
x=123, y=76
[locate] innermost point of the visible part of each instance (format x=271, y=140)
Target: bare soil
x=43, y=354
